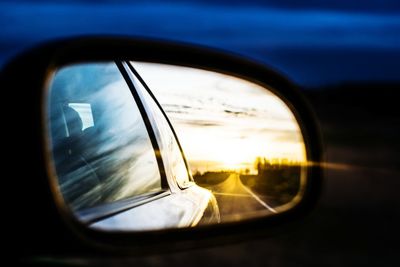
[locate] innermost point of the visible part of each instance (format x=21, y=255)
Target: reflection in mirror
x=194, y=147
x=241, y=141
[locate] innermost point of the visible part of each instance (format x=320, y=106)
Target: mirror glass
x=137, y=146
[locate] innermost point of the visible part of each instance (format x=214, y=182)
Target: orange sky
x=223, y=122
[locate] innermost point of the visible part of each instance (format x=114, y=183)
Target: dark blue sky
x=314, y=44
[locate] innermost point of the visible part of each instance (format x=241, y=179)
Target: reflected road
x=235, y=199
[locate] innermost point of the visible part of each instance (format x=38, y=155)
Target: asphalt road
x=235, y=200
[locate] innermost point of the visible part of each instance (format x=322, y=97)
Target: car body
x=118, y=161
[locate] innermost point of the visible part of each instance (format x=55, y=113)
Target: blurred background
x=314, y=43
x=343, y=55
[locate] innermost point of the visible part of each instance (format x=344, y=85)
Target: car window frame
x=152, y=96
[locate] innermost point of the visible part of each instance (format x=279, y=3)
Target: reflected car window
x=172, y=156
x=101, y=149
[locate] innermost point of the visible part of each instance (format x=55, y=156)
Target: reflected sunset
x=224, y=123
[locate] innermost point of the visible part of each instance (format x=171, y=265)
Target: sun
x=235, y=156
x=232, y=162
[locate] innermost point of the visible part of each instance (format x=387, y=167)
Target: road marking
x=259, y=200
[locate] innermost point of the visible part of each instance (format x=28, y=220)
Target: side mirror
x=140, y=144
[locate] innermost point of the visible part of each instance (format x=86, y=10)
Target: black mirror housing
x=37, y=223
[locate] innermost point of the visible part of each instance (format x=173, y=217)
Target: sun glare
x=223, y=122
